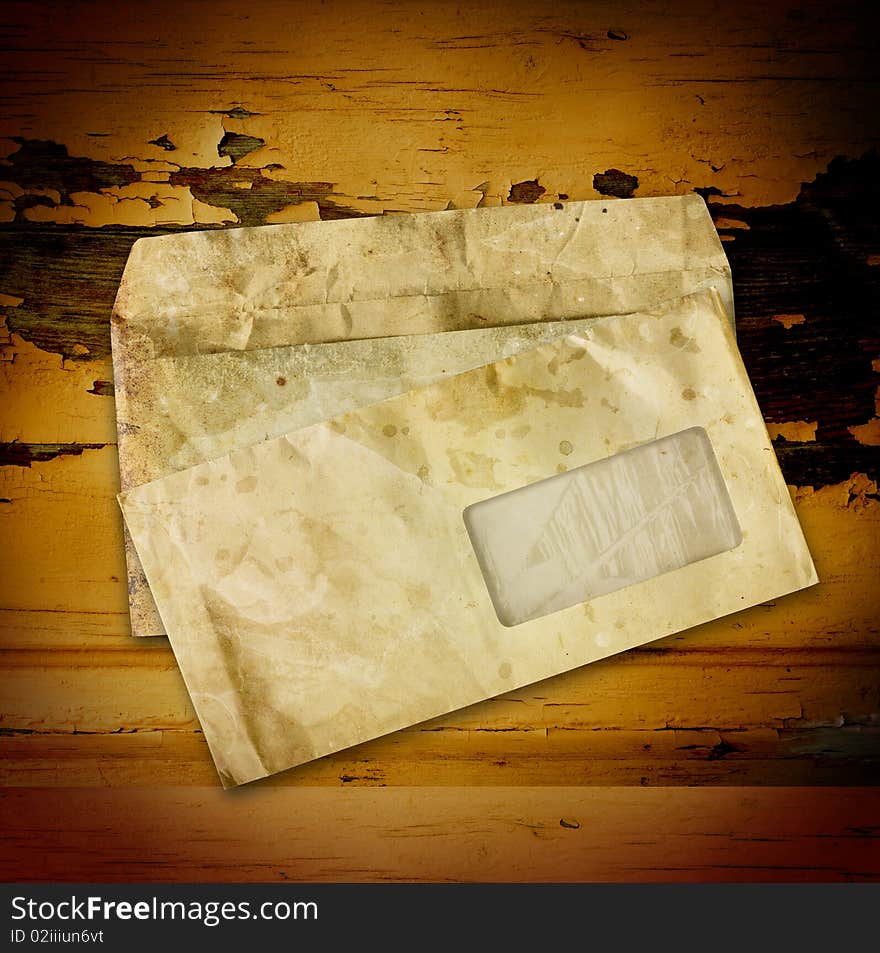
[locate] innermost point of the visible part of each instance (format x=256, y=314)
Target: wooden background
x=746, y=749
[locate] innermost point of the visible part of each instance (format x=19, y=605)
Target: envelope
x=208, y=326
x=467, y=538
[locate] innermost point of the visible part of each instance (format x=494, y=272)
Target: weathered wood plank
x=62, y=524
x=834, y=755
x=438, y=834
x=630, y=691
x=754, y=100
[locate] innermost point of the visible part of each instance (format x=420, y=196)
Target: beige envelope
x=206, y=325
x=369, y=572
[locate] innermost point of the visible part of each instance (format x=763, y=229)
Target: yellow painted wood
x=437, y=834
x=407, y=107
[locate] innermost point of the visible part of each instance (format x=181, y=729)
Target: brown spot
x=574, y=354
x=615, y=182
x=678, y=340
x=473, y=469
x=563, y=398
x=405, y=431
x=689, y=393
x=246, y=485
x=788, y=320
x=565, y=447
x=202, y=481
x=424, y=473
x=389, y=430
x=504, y=670
x=281, y=381
x=524, y=193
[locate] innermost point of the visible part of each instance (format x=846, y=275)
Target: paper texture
x=207, y=326
x=320, y=589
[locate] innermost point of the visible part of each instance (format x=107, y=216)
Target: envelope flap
x=394, y=274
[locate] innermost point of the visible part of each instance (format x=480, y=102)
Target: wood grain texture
x=123, y=121
x=440, y=834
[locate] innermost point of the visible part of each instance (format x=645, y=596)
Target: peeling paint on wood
x=163, y=142
x=47, y=166
x=24, y=454
x=102, y=389
x=262, y=197
x=524, y=193
x=807, y=258
x=236, y=146
x=616, y=183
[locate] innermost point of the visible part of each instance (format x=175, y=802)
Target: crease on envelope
x=320, y=589
x=254, y=295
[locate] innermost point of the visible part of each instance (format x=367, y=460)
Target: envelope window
x=579, y=535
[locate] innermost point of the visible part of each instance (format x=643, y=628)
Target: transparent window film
x=603, y=526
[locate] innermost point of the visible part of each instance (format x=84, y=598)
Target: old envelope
x=206, y=325
x=458, y=541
